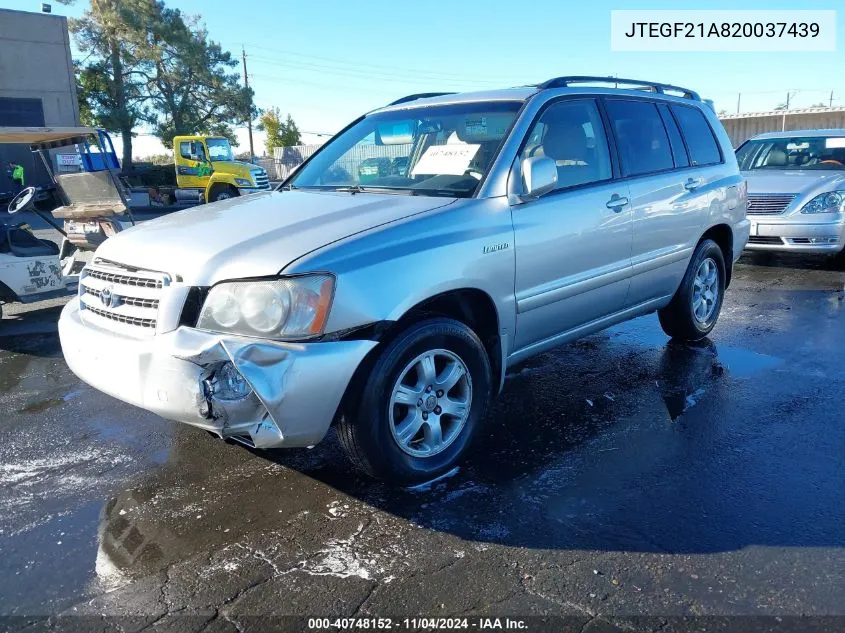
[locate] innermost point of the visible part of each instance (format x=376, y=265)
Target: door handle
x=616, y=203
x=692, y=184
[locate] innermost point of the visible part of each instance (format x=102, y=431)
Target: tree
x=111, y=81
x=780, y=106
x=723, y=112
x=192, y=85
x=147, y=63
x=279, y=134
x=820, y=104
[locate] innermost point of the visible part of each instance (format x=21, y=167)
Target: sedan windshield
x=811, y=152
x=428, y=150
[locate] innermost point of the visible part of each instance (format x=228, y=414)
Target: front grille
x=121, y=318
x=261, y=179
x=130, y=301
x=128, y=297
x=769, y=203
x=127, y=280
x=764, y=239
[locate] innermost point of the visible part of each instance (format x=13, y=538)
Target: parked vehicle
x=30, y=269
x=528, y=217
x=399, y=166
x=92, y=209
x=796, y=190
x=373, y=168
x=206, y=170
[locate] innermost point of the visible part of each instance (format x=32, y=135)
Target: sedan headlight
x=830, y=202
x=290, y=308
x=243, y=182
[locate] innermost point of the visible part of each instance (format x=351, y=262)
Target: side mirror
x=539, y=175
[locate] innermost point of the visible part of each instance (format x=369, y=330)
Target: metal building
x=741, y=127
x=37, y=84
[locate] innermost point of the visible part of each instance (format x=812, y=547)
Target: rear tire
x=694, y=310
x=420, y=440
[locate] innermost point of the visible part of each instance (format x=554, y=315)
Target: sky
x=329, y=61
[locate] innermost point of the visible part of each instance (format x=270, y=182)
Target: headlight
x=830, y=202
x=243, y=182
x=290, y=308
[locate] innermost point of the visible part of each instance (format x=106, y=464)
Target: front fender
x=218, y=178
x=383, y=273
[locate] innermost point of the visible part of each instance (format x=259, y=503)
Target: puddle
x=679, y=403
x=43, y=405
x=742, y=363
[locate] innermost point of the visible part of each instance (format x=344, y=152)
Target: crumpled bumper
x=295, y=387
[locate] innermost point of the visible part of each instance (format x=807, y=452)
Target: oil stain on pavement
x=619, y=476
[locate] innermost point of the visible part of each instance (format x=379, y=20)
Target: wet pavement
x=618, y=477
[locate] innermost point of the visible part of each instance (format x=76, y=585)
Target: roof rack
x=565, y=82
x=419, y=95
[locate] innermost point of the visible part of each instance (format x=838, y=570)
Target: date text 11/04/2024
x=482, y=624
x=724, y=29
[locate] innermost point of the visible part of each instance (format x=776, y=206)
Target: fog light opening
x=227, y=383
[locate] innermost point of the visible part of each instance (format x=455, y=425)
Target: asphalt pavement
x=623, y=482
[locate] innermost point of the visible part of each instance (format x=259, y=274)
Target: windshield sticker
x=445, y=159
x=477, y=127
x=834, y=143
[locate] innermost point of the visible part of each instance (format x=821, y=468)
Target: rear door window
x=641, y=137
x=703, y=148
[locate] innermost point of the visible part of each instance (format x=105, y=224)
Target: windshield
x=219, y=149
x=433, y=150
x=810, y=152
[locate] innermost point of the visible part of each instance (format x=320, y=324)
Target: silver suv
x=796, y=190
x=392, y=301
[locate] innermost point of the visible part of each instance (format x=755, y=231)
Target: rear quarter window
x=679, y=152
x=701, y=142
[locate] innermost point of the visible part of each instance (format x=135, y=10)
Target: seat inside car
x=776, y=158
x=565, y=142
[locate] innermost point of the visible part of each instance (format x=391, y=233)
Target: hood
x=235, y=167
x=804, y=182
x=255, y=235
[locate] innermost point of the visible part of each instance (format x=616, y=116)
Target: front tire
x=224, y=193
x=421, y=403
x=695, y=308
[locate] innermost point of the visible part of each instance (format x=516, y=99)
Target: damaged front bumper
x=291, y=395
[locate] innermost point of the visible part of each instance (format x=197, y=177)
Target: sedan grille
x=764, y=239
x=113, y=294
x=769, y=203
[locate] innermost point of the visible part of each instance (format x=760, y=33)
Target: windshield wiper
x=353, y=189
x=350, y=189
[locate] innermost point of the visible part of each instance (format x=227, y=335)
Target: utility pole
x=785, y=110
x=738, y=99
x=831, y=98
x=249, y=113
